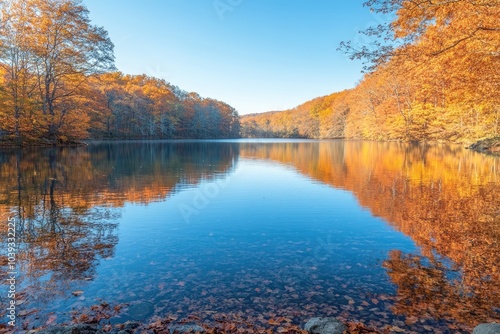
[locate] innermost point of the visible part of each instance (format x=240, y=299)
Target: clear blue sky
x=256, y=55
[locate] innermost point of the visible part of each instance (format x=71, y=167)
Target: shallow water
x=396, y=236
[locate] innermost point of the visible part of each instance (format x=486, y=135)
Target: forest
x=432, y=74
x=59, y=85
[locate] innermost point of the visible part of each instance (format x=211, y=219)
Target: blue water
x=206, y=235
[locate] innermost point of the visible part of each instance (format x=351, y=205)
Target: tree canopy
x=58, y=84
x=433, y=74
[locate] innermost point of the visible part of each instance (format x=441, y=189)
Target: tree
x=449, y=24
x=126, y=106
x=68, y=49
x=433, y=74
x=51, y=49
x=17, y=63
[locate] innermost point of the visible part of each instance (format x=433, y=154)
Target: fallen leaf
x=397, y=329
x=51, y=319
x=25, y=313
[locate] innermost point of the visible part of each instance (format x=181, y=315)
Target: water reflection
x=64, y=201
x=69, y=206
x=445, y=198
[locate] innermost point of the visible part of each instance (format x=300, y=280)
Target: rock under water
x=324, y=326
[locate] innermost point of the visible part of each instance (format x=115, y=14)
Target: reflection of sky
x=258, y=210
x=261, y=210
x=257, y=194
x=251, y=221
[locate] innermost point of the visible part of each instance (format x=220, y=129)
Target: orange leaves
x=279, y=321
x=84, y=318
x=95, y=314
x=309, y=120
x=52, y=103
x=138, y=106
x=441, y=85
x=65, y=99
x=358, y=328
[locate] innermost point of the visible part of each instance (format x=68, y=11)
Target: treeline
x=133, y=107
x=437, y=77
x=58, y=84
x=323, y=117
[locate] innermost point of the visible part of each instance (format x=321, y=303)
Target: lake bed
x=392, y=235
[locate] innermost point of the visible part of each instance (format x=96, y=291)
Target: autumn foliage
x=142, y=107
x=58, y=85
x=437, y=79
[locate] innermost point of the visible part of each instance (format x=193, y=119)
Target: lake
x=270, y=232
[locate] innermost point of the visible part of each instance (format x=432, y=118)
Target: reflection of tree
x=63, y=199
x=427, y=287
x=57, y=244
x=109, y=173
x=444, y=198
x=60, y=246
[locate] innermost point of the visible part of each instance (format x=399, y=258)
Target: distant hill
x=434, y=77
x=322, y=117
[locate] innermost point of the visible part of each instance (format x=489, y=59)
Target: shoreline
x=488, y=146
x=326, y=325
x=11, y=144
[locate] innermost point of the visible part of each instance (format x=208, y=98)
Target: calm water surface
x=392, y=235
